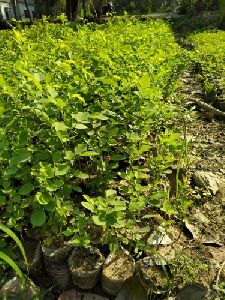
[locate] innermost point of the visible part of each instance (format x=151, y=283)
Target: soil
x=155, y=277
x=120, y=267
x=85, y=261
x=205, y=133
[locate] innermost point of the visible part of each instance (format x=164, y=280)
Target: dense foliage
x=86, y=130
x=210, y=59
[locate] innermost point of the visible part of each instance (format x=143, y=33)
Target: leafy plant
x=84, y=112
x=209, y=56
x=7, y=258
x=186, y=269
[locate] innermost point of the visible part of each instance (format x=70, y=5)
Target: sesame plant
x=86, y=129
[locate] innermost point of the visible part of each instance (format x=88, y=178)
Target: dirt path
x=206, y=221
x=206, y=134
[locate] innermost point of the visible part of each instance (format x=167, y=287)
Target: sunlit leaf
x=80, y=148
x=88, y=205
x=80, y=126
x=60, y=126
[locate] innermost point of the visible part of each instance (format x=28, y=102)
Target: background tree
x=45, y=7
x=222, y=13
x=197, y=6
x=72, y=9
x=98, y=7
x=14, y=4
x=84, y=7
x=28, y=10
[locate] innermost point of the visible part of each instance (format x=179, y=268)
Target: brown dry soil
x=84, y=261
x=204, y=240
x=119, y=267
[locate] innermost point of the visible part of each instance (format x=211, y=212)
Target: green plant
x=209, y=55
x=85, y=112
x=220, y=289
x=186, y=270
x=7, y=258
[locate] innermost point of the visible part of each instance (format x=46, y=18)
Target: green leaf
x=88, y=205
x=60, y=103
x=12, y=264
x=47, y=170
x=144, y=230
x=148, y=217
x=12, y=170
x=19, y=158
x=68, y=232
x=171, y=138
x=82, y=221
x=62, y=169
x=111, y=218
x=78, y=97
x=112, y=131
x=38, y=218
x=82, y=117
x=144, y=82
x=2, y=81
x=10, y=233
x=89, y=153
x=57, y=156
x=2, y=109
x=59, y=126
x=52, y=92
x=168, y=171
x=112, y=142
x=80, y=126
x=26, y=189
x=155, y=202
x=42, y=198
x=69, y=155
x=143, y=188
x=39, y=76
x=159, y=195
x=117, y=157
x=106, y=80
x=167, y=207
x=54, y=185
x=99, y=220
x=80, y=174
x=80, y=148
x=118, y=206
x=2, y=200
x=77, y=189
x=89, y=199
x=50, y=206
x=110, y=192
x=98, y=116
